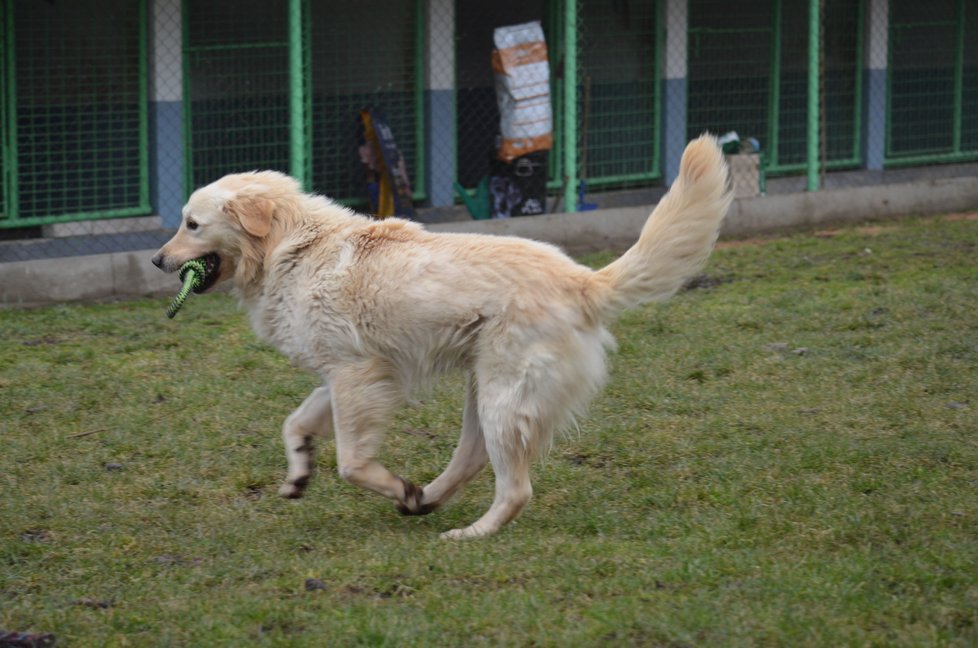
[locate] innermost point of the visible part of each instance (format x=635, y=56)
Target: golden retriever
x=378, y=308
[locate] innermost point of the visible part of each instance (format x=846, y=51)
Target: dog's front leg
x=313, y=418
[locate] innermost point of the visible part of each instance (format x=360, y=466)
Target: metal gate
x=236, y=88
x=749, y=69
x=619, y=98
x=932, y=99
x=72, y=111
x=280, y=84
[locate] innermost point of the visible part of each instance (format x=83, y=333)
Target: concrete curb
x=129, y=274
x=81, y=278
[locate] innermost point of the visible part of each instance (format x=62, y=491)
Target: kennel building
x=112, y=111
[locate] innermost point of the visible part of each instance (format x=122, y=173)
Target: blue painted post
x=874, y=88
x=166, y=154
x=440, y=101
x=676, y=16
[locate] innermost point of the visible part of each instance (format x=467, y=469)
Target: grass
x=786, y=456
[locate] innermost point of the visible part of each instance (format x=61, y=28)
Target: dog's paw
x=294, y=489
x=411, y=504
x=468, y=533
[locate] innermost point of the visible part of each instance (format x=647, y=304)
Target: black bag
x=519, y=188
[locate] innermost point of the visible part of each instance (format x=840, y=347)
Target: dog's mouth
x=212, y=270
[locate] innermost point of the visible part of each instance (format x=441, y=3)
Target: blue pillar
x=440, y=101
x=166, y=110
x=676, y=17
x=874, y=83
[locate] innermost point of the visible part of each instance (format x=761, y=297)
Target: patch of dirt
x=867, y=230
x=964, y=216
x=47, y=340
x=705, y=281
x=95, y=604
x=753, y=240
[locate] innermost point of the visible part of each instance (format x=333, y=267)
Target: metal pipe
x=774, y=91
x=813, y=94
x=958, y=79
x=297, y=103
x=570, y=105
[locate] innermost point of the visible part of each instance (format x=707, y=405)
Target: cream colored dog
x=379, y=308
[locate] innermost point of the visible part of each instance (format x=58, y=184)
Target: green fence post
x=420, y=182
x=570, y=106
x=297, y=91
x=10, y=160
x=143, y=110
x=958, y=78
x=307, y=128
x=774, y=89
x=814, y=45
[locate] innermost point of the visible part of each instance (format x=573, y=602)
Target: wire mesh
x=618, y=77
x=840, y=81
x=75, y=110
x=4, y=130
x=729, y=63
x=236, y=88
x=933, y=83
x=366, y=54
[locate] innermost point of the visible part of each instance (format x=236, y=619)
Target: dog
x=379, y=308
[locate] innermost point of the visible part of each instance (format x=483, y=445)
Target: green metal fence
x=365, y=54
x=279, y=85
x=236, y=88
x=749, y=72
x=824, y=85
x=619, y=74
x=74, y=111
x=5, y=145
x=932, y=107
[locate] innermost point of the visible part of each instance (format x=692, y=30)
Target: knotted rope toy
x=192, y=274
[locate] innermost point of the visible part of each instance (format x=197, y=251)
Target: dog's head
x=227, y=224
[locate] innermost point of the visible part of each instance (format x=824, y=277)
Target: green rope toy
x=192, y=274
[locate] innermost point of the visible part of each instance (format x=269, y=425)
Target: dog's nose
x=158, y=260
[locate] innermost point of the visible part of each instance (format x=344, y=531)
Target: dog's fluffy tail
x=677, y=238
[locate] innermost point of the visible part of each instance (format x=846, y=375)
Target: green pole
x=188, y=150
x=307, y=125
x=420, y=163
x=958, y=78
x=10, y=154
x=570, y=105
x=813, y=116
x=774, y=90
x=297, y=103
x=143, y=110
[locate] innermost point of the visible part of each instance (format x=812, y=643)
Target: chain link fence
x=112, y=111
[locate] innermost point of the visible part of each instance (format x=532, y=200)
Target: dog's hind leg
x=509, y=413
x=511, y=463
x=313, y=417
x=365, y=396
x=468, y=459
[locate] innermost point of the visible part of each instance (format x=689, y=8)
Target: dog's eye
x=192, y=225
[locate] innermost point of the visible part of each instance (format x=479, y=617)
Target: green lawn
x=787, y=456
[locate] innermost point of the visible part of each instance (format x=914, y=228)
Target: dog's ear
x=255, y=214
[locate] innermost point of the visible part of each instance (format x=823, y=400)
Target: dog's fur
x=379, y=308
